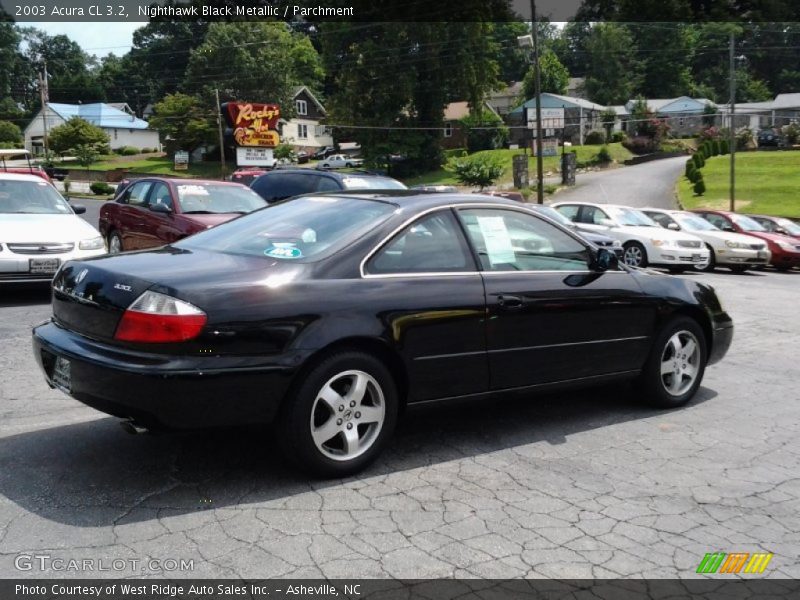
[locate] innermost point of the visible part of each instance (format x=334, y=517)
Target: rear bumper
x=157, y=390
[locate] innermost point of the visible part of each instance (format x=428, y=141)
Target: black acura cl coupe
x=328, y=314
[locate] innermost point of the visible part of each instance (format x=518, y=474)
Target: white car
x=735, y=251
x=338, y=161
x=39, y=230
x=644, y=242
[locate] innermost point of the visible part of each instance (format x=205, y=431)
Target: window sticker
x=192, y=190
x=283, y=250
x=497, y=239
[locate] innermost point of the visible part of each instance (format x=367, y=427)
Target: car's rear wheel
x=340, y=416
x=676, y=365
x=634, y=254
x=738, y=268
x=348, y=165
x=115, y=243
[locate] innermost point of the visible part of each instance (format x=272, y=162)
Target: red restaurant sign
x=254, y=125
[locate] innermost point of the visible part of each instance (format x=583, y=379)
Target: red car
x=247, y=175
x=785, y=250
x=156, y=211
x=780, y=225
x=16, y=154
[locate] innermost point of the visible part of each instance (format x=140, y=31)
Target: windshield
x=217, y=198
x=746, y=223
x=556, y=216
x=788, y=225
x=371, y=183
x=692, y=223
x=31, y=197
x=627, y=216
x=307, y=227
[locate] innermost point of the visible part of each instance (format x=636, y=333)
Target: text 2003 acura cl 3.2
x=327, y=314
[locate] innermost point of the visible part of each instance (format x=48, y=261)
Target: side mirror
x=78, y=209
x=728, y=228
x=781, y=230
x=606, y=222
x=604, y=260
x=674, y=227
x=160, y=208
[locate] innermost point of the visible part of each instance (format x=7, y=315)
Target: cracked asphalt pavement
x=586, y=484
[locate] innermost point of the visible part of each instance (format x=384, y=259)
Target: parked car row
x=701, y=239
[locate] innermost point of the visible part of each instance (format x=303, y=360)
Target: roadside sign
x=552, y=118
x=181, y=160
x=254, y=157
x=549, y=147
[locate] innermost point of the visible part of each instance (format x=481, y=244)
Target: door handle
x=509, y=302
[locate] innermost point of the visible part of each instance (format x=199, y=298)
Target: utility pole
x=44, y=96
x=538, y=93
x=221, y=137
x=732, y=136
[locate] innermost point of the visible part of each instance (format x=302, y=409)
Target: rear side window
x=278, y=186
x=570, y=211
x=432, y=244
x=660, y=218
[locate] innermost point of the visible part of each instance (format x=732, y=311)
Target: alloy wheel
x=348, y=415
x=633, y=256
x=680, y=362
x=114, y=244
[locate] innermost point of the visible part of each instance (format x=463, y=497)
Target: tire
x=677, y=270
x=738, y=269
x=712, y=262
x=634, y=254
x=115, y=243
x=321, y=402
x=348, y=165
x=666, y=381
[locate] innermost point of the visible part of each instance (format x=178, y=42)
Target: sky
x=95, y=38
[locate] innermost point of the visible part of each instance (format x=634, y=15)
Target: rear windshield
x=209, y=198
x=305, y=228
x=354, y=182
x=31, y=197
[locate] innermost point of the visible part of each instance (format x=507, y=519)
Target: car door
x=435, y=312
x=550, y=318
x=132, y=212
x=159, y=228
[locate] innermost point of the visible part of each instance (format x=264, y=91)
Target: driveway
x=648, y=184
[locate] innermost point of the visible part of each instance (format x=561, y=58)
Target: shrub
x=455, y=153
x=480, y=170
x=595, y=138
x=618, y=136
x=603, y=156
x=744, y=139
x=101, y=188
x=699, y=186
x=724, y=147
x=698, y=159
x=691, y=170
x=641, y=144
x=485, y=131
x=792, y=133
x=715, y=149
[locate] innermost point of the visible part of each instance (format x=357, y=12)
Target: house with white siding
x=122, y=127
x=305, y=130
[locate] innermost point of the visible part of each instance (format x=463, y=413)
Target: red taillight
x=157, y=318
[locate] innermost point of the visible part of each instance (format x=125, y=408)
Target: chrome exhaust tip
x=132, y=427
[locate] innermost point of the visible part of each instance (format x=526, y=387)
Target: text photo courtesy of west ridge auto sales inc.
x=480, y=299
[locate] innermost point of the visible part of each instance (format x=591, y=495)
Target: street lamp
x=532, y=41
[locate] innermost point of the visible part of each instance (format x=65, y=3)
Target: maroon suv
x=156, y=211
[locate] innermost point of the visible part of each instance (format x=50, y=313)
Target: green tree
x=512, y=61
x=554, y=76
x=613, y=70
x=10, y=135
x=77, y=132
x=608, y=117
x=257, y=61
x=87, y=153
x=182, y=122
x=485, y=131
x=570, y=47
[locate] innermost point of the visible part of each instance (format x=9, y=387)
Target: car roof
x=419, y=200
x=20, y=177
x=187, y=181
x=598, y=204
x=329, y=173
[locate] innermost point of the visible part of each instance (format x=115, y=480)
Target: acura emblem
x=81, y=276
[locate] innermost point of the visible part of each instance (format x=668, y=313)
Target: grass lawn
x=550, y=164
x=159, y=165
x=766, y=183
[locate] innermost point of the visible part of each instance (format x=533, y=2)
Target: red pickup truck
x=17, y=155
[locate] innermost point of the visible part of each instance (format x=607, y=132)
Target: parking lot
x=575, y=485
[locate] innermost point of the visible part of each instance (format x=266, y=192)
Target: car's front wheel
x=676, y=365
x=348, y=165
x=707, y=267
x=340, y=416
x=634, y=254
x=115, y=243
